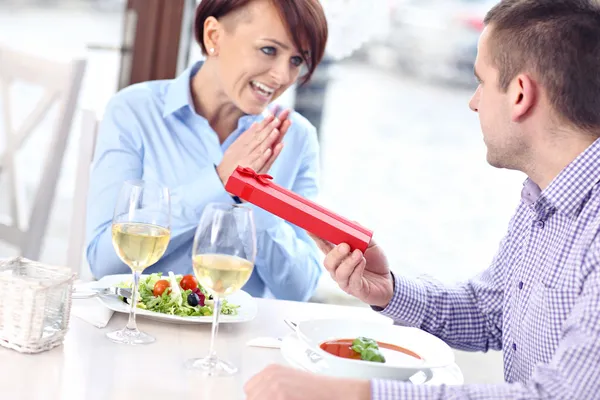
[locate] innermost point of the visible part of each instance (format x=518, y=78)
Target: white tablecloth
x=89, y=366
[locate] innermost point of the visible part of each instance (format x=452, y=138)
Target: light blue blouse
x=151, y=131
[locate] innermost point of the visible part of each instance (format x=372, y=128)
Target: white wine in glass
x=140, y=236
x=139, y=245
x=223, y=258
x=221, y=274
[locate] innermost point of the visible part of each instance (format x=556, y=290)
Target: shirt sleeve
x=119, y=157
x=467, y=316
x=287, y=259
x=572, y=373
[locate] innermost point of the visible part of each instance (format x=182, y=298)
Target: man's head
x=258, y=48
x=538, y=64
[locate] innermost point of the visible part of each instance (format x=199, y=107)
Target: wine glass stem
x=131, y=324
x=215, y=326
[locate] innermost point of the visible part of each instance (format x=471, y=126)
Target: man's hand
x=256, y=148
x=284, y=383
x=366, y=277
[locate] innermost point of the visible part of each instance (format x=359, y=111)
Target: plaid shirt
x=539, y=301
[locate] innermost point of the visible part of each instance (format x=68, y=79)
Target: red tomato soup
x=343, y=348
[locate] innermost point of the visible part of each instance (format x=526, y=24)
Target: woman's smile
x=263, y=92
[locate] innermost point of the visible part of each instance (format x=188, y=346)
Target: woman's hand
x=257, y=148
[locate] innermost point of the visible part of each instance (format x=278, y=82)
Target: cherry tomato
x=188, y=282
x=160, y=287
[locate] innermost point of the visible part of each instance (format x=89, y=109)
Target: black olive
x=193, y=299
x=210, y=297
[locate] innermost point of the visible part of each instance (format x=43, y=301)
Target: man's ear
x=524, y=93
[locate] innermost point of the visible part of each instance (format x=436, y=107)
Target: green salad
x=179, y=295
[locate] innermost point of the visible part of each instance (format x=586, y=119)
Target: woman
x=191, y=132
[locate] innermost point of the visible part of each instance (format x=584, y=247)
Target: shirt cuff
x=408, y=304
x=197, y=194
x=397, y=390
x=263, y=220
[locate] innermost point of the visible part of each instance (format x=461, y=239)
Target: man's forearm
x=454, y=314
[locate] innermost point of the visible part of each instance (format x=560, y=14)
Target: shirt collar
x=569, y=190
x=179, y=95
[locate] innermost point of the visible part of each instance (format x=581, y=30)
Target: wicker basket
x=35, y=305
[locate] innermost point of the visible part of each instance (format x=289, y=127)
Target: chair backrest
x=87, y=144
x=61, y=83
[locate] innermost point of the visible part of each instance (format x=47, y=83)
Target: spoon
x=312, y=355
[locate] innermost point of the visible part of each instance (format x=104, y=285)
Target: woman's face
x=255, y=55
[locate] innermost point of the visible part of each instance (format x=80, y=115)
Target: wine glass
x=223, y=256
x=140, y=236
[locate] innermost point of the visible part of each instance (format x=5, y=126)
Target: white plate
x=434, y=352
x=246, y=312
x=294, y=350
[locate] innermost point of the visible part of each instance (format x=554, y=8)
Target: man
x=538, y=101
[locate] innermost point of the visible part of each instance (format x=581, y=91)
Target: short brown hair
x=305, y=20
x=558, y=41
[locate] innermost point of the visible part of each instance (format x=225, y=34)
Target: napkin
x=91, y=310
x=267, y=342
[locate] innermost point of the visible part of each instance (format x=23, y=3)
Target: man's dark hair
x=558, y=42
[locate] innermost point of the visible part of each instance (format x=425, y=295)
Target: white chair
x=61, y=82
x=87, y=144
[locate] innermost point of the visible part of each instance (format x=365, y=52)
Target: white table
x=89, y=366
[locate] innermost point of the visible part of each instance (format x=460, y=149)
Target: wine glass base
x=130, y=336
x=211, y=366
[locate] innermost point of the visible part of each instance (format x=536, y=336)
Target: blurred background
x=401, y=151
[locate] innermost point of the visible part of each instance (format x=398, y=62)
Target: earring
x=211, y=50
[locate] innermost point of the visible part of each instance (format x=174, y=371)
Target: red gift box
x=260, y=190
